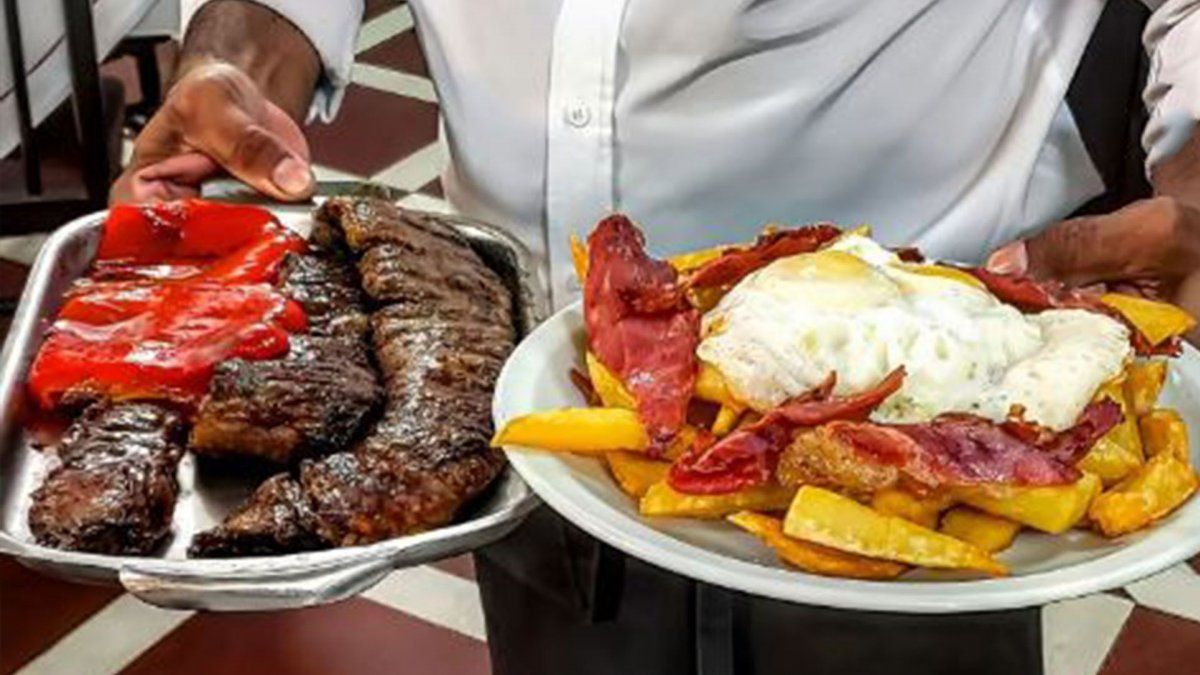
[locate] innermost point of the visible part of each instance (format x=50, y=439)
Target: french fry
x=1054, y=509
x=711, y=387
x=990, y=533
x=824, y=517
x=923, y=511
x=1119, y=452
x=1164, y=431
x=810, y=557
x=579, y=258
x=609, y=388
x=662, y=500
x=1157, y=489
x=1143, y=382
x=686, y=262
x=726, y=420
x=587, y=430
x=635, y=473
x=1158, y=321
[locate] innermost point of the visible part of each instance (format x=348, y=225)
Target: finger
x=173, y=178
x=1146, y=239
x=282, y=125
x=249, y=151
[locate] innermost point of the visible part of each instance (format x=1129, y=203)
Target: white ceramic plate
x=1044, y=568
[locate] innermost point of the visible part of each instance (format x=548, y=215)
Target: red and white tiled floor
x=428, y=619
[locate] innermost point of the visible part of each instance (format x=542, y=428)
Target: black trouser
x=560, y=603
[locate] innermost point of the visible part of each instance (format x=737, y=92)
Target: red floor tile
x=376, y=7
x=400, y=126
x=37, y=610
x=401, y=52
x=356, y=636
x=1195, y=563
x=1153, y=642
x=12, y=279
x=434, y=188
x=461, y=566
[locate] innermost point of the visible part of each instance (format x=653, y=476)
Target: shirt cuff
x=332, y=28
x=1172, y=95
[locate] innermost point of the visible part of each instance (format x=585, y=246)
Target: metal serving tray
x=208, y=492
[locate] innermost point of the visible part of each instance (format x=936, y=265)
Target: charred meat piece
x=115, y=490
x=275, y=519
x=312, y=401
x=441, y=331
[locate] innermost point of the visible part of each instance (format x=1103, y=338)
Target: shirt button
x=578, y=114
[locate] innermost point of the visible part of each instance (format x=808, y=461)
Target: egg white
x=855, y=309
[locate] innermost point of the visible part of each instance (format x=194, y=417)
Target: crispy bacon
x=959, y=449
x=747, y=457
x=735, y=263
x=641, y=326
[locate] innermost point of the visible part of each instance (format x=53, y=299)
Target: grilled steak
x=312, y=401
x=115, y=490
x=275, y=519
x=440, y=335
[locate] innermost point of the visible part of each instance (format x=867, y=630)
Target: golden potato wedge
x=1143, y=382
x=1052, y=509
x=1157, y=489
x=814, y=558
x=727, y=419
x=686, y=262
x=824, y=517
x=1164, y=431
x=1119, y=452
x=579, y=258
x=609, y=388
x=1158, y=321
x=662, y=500
x=990, y=533
x=634, y=472
x=587, y=430
x=711, y=387
x=923, y=511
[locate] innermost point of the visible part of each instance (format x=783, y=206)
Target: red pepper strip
x=735, y=263
x=748, y=457
x=180, y=230
x=641, y=327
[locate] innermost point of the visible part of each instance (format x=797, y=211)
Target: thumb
x=259, y=156
x=1128, y=244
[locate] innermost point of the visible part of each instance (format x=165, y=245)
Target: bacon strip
x=969, y=450
x=641, y=326
x=747, y=457
x=735, y=263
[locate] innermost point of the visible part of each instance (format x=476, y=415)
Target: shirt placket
x=579, y=124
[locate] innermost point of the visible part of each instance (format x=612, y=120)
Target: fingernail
x=1011, y=259
x=291, y=176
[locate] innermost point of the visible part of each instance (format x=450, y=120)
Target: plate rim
x=1156, y=551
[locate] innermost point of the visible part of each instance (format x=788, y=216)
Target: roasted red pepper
x=176, y=289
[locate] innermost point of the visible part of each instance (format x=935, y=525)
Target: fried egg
x=855, y=309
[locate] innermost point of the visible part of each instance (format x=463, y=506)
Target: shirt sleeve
x=332, y=27
x=1172, y=95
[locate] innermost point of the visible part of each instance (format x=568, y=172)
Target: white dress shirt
x=942, y=123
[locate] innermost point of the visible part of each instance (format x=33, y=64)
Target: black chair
x=94, y=121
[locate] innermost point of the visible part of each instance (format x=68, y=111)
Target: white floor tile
x=1077, y=634
x=382, y=27
x=416, y=170
x=394, y=82
x=434, y=596
x=1175, y=591
x=423, y=202
x=109, y=640
x=23, y=249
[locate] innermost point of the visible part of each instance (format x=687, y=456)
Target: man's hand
x=216, y=118
x=245, y=79
x=1150, y=247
